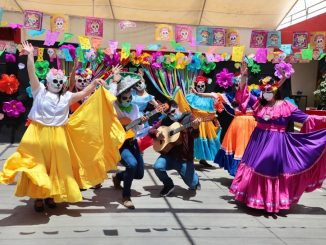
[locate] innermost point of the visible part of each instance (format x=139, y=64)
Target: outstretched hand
x=98, y=82
x=116, y=73
x=28, y=47
x=244, y=68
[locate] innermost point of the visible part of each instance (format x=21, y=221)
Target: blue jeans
x=134, y=163
x=184, y=168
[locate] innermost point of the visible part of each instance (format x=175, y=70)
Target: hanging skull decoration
x=83, y=78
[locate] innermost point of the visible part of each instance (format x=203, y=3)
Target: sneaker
x=126, y=201
x=116, y=182
x=50, y=203
x=167, y=190
x=38, y=205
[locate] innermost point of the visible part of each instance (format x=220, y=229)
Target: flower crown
x=268, y=84
x=84, y=72
x=201, y=79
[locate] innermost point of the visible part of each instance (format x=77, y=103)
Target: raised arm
x=244, y=75
x=87, y=91
x=34, y=81
x=72, y=79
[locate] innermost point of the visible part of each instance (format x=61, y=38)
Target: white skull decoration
x=164, y=34
x=95, y=27
x=184, y=34
x=59, y=23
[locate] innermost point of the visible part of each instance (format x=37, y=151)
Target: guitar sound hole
x=171, y=133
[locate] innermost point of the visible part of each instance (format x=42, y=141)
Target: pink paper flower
x=13, y=108
x=283, y=67
x=224, y=78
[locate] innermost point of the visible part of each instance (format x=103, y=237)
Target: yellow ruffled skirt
x=57, y=161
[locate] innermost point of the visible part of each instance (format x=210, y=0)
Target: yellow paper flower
x=145, y=59
x=266, y=80
x=180, y=58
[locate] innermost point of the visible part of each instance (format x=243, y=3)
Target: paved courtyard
x=208, y=216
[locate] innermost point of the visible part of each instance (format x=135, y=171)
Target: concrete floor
x=209, y=216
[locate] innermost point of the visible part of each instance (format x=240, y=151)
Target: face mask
x=125, y=103
x=200, y=87
x=268, y=96
x=55, y=86
x=175, y=116
x=126, y=100
x=140, y=86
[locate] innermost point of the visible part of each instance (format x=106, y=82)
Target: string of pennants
x=306, y=46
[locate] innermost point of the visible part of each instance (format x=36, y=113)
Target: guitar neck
x=187, y=125
x=183, y=127
x=138, y=120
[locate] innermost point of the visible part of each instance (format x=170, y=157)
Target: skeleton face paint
x=82, y=82
x=201, y=87
x=140, y=86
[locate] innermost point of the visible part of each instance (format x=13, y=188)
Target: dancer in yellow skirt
x=58, y=156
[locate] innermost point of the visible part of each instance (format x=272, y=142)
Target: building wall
x=304, y=79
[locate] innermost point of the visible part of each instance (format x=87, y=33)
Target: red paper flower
x=8, y=84
x=13, y=108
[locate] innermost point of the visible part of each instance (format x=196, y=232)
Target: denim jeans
x=184, y=168
x=134, y=163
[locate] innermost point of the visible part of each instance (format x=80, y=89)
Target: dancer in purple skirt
x=277, y=166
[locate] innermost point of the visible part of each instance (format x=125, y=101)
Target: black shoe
x=50, y=203
x=204, y=163
x=38, y=205
x=196, y=188
x=167, y=190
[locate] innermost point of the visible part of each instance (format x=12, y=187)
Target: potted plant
x=320, y=94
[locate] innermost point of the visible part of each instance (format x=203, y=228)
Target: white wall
x=304, y=79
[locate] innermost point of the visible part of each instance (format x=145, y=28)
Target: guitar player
x=120, y=85
x=181, y=156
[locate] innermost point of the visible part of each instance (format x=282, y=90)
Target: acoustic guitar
x=172, y=135
x=129, y=125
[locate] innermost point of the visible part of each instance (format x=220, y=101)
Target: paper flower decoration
x=8, y=84
x=283, y=67
x=194, y=64
x=250, y=62
x=135, y=59
x=145, y=59
x=112, y=60
x=255, y=68
x=207, y=67
x=71, y=48
x=42, y=68
x=169, y=61
x=99, y=56
x=224, y=78
x=181, y=62
x=13, y=108
x=10, y=58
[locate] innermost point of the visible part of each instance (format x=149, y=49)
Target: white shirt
x=48, y=109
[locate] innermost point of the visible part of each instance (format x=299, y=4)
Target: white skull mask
x=140, y=86
x=82, y=81
x=201, y=87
